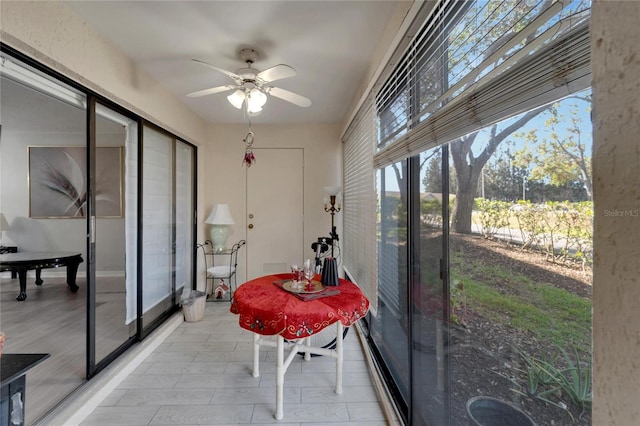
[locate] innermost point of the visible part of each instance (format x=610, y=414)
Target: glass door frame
x=91, y=367
x=142, y=330
x=406, y=407
x=94, y=367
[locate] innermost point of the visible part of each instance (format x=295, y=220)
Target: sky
x=564, y=106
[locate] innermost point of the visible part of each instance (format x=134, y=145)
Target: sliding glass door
x=429, y=291
x=76, y=177
x=168, y=187
x=390, y=328
x=185, y=219
x=115, y=200
x=43, y=201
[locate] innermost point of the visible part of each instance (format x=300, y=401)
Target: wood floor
x=201, y=375
x=53, y=320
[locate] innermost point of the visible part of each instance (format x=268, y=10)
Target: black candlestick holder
x=332, y=210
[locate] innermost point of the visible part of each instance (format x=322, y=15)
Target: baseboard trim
x=31, y=274
x=388, y=407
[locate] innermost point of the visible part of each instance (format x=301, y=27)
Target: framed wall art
x=58, y=182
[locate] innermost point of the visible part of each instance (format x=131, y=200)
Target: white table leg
x=339, y=357
x=307, y=355
x=256, y=355
x=279, y=378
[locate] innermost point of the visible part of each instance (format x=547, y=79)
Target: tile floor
x=201, y=375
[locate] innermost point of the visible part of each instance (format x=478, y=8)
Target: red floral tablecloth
x=264, y=308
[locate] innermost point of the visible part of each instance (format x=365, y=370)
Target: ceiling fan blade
x=289, y=96
x=277, y=72
x=234, y=76
x=210, y=91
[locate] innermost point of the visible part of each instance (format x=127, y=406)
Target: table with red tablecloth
x=266, y=309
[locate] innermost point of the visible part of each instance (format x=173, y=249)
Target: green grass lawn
x=552, y=315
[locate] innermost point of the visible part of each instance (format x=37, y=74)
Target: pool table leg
x=22, y=276
x=72, y=270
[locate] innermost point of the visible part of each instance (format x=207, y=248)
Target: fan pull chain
x=249, y=158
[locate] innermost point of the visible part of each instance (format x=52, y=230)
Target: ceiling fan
x=252, y=86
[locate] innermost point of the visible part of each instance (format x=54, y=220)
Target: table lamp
x=4, y=226
x=220, y=219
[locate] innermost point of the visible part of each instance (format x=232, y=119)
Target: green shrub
x=551, y=378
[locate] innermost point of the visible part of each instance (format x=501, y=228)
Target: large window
x=520, y=281
x=471, y=64
x=477, y=128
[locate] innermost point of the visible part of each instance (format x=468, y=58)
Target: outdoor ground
x=483, y=350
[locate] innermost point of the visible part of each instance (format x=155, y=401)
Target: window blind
x=359, y=199
x=483, y=62
x=42, y=83
x=157, y=217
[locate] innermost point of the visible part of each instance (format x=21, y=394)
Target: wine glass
x=309, y=271
x=297, y=274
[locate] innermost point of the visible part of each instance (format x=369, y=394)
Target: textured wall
x=49, y=32
x=616, y=171
x=226, y=179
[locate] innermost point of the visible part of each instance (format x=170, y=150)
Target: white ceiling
x=329, y=43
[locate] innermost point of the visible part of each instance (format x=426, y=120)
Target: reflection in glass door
x=390, y=328
x=429, y=360
x=409, y=332
x=66, y=187
x=116, y=177
x=39, y=197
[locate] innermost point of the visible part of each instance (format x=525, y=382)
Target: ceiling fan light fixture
x=256, y=98
x=236, y=98
x=255, y=101
x=251, y=86
x=253, y=110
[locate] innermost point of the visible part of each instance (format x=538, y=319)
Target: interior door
x=275, y=211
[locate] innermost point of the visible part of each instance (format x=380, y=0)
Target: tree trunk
x=468, y=167
x=462, y=210
x=463, y=206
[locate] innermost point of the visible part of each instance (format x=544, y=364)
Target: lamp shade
x=332, y=190
x=4, y=225
x=236, y=98
x=220, y=215
x=255, y=101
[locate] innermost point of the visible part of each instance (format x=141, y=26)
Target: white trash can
x=193, y=306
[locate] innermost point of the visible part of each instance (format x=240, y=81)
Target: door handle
x=93, y=229
x=251, y=226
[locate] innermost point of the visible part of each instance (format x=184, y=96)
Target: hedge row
x=562, y=230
